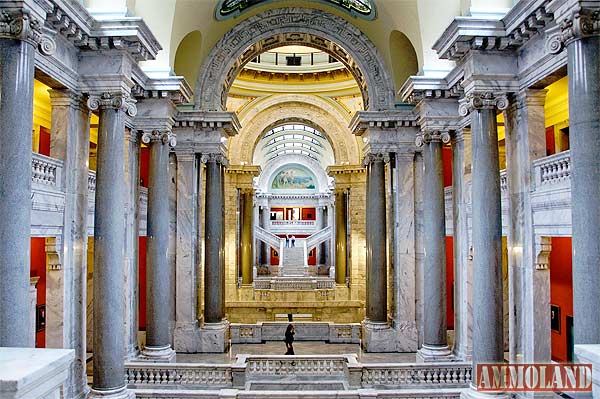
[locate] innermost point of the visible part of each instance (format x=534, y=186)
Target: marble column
x=158, y=273
x=529, y=282
x=341, y=256
x=488, y=342
x=215, y=327
x=109, y=227
x=247, y=225
x=16, y=115
x=435, y=343
x=66, y=322
x=378, y=335
x=131, y=146
x=582, y=33
x=403, y=250
x=189, y=186
x=463, y=272
x=265, y=221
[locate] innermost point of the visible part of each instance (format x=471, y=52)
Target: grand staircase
x=293, y=262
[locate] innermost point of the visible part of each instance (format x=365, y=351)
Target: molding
x=363, y=120
x=227, y=121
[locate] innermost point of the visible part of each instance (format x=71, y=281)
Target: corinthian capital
x=214, y=157
x=112, y=100
x=375, y=157
x=20, y=25
x=157, y=136
x=434, y=136
x=580, y=24
x=482, y=100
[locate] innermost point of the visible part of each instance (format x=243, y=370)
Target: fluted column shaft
x=214, y=273
x=435, y=242
x=109, y=225
x=16, y=113
x=376, y=305
x=584, y=101
x=158, y=272
x=487, y=227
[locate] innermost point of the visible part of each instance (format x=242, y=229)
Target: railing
x=319, y=237
x=181, y=374
x=92, y=181
x=552, y=170
x=423, y=375
x=294, y=284
x=293, y=222
x=46, y=171
x=308, y=365
x=503, y=181
x=267, y=237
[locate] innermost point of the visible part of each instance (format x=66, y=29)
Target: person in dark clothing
x=289, y=339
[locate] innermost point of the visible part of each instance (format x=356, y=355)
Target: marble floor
x=300, y=348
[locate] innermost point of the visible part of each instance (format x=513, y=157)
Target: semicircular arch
x=298, y=26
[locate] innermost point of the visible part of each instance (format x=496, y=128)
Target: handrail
x=318, y=237
x=267, y=237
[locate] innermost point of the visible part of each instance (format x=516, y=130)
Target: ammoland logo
x=534, y=377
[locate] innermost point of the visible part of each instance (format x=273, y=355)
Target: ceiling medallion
x=233, y=8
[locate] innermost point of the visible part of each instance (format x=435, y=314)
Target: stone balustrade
x=305, y=331
x=92, y=181
x=293, y=223
x=46, y=171
x=294, y=283
x=250, y=372
x=553, y=170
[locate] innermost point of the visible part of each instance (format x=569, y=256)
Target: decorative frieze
x=482, y=100
x=426, y=137
x=164, y=137
x=112, y=100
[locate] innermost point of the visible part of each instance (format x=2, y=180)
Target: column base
x=430, y=353
x=186, y=338
x=119, y=393
x=157, y=354
x=472, y=393
x=378, y=337
x=214, y=337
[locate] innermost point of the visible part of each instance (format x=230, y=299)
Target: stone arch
x=321, y=114
x=323, y=181
x=298, y=26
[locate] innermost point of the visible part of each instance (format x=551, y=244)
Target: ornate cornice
x=20, y=25
x=375, y=157
x=434, y=136
x=112, y=100
x=214, y=157
x=482, y=100
x=364, y=120
x=157, y=136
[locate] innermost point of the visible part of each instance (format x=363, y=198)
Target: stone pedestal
x=214, y=337
x=378, y=337
x=34, y=373
x=590, y=354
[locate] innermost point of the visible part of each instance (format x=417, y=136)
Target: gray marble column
x=67, y=287
x=403, y=249
x=265, y=221
x=189, y=186
x=583, y=43
x=109, y=227
x=376, y=304
x=16, y=115
x=158, y=272
x=488, y=346
x=131, y=148
x=214, y=273
x=435, y=344
x=463, y=272
x=529, y=283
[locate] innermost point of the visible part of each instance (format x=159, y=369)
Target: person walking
x=289, y=339
x=293, y=241
x=287, y=240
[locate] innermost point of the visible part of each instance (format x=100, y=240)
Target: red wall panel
x=561, y=292
x=38, y=269
x=449, y=283
x=142, y=282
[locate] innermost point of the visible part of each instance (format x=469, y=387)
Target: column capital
x=477, y=100
x=21, y=25
x=68, y=98
x=376, y=157
x=214, y=157
x=112, y=100
x=432, y=136
x=159, y=136
x=458, y=136
x=579, y=24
